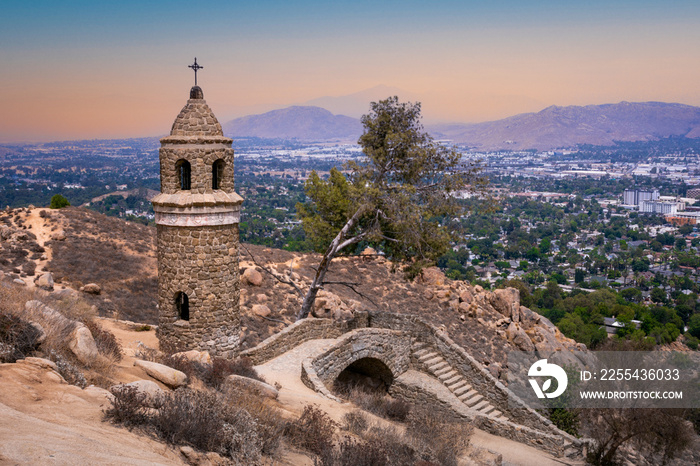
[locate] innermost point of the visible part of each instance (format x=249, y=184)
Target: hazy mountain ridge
x=298, y=122
x=554, y=127
x=557, y=127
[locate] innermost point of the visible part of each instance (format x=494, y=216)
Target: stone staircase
x=437, y=366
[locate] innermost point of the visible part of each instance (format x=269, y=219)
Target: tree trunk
x=338, y=243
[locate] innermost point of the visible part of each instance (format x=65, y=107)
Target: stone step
x=418, y=345
x=446, y=376
x=421, y=352
x=481, y=405
x=503, y=418
x=434, y=368
x=496, y=414
x=467, y=395
x=453, y=380
x=462, y=390
x=488, y=409
x=454, y=386
x=443, y=370
x=430, y=359
x=472, y=400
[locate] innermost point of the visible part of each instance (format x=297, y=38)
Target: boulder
x=91, y=288
x=432, y=276
x=443, y=295
x=368, y=252
x=169, y=376
x=506, y=301
x=465, y=296
x=82, y=344
x=494, y=369
x=261, y=310
x=342, y=315
x=149, y=388
x=58, y=236
x=545, y=342
x=528, y=318
x=19, y=281
x=261, y=388
x=200, y=357
x=40, y=331
x=519, y=338
x=67, y=293
x=252, y=277
x=44, y=281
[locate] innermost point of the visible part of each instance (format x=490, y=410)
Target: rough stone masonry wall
x=203, y=263
x=475, y=374
x=300, y=332
x=391, y=347
x=201, y=154
x=419, y=396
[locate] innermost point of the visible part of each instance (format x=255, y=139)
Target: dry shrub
x=128, y=408
x=314, y=431
x=29, y=268
x=18, y=338
x=351, y=452
x=447, y=440
x=147, y=353
x=107, y=343
x=379, y=446
x=74, y=307
x=378, y=403
x=222, y=368
x=202, y=419
x=355, y=422
x=271, y=424
x=68, y=370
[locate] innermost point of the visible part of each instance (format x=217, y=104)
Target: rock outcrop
x=169, y=376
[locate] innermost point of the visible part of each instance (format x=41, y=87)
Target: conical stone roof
x=196, y=118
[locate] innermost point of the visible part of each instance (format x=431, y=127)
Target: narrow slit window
x=184, y=174
x=217, y=174
x=182, y=304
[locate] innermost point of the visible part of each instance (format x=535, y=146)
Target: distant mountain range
x=554, y=127
x=302, y=123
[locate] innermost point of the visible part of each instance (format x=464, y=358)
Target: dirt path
x=41, y=228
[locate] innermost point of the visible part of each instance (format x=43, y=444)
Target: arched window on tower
x=182, y=304
x=184, y=174
x=217, y=174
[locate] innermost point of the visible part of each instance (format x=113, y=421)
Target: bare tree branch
x=279, y=278
x=352, y=287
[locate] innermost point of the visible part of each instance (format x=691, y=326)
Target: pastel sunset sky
x=87, y=69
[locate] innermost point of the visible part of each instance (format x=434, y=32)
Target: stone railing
x=453, y=409
x=476, y=375
x=391, y=347
x=299, y=332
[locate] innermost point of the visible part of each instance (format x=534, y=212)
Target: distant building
x=694, y=193
x=637, y=196
x=659, y=207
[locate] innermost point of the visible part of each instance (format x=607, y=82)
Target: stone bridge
x=419, y=363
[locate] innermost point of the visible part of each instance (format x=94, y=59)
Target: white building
x=637, y=196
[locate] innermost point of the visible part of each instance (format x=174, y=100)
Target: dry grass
x=118, y=255
x=59, y=320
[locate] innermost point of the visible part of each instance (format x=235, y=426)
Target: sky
x=91, y=70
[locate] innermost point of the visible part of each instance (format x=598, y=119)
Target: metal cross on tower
x=195, y=67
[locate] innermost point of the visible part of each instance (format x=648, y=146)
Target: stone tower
x=197, y=216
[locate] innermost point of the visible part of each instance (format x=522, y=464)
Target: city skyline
x=82, y=70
